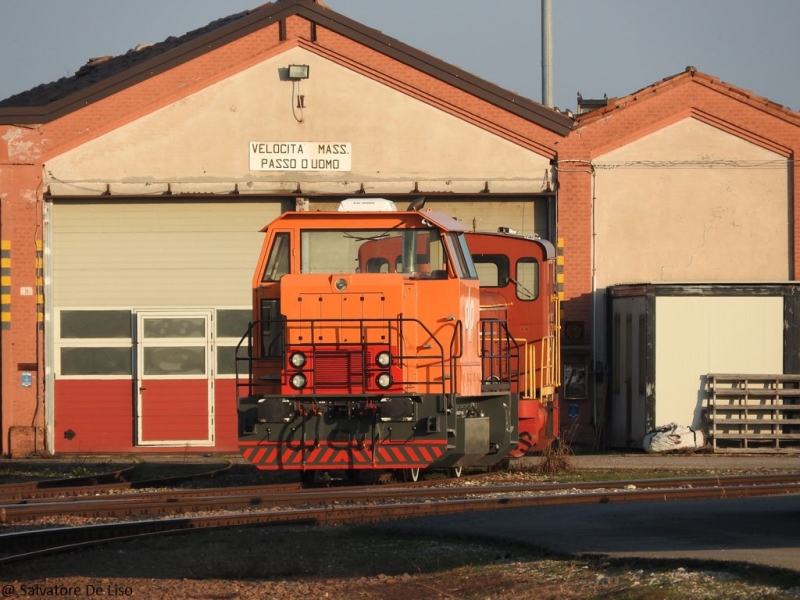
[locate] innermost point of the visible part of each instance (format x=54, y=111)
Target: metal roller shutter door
x=138, y=254
x=525, y=215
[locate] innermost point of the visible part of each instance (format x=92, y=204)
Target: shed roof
x=690, y=73
x=103, y=76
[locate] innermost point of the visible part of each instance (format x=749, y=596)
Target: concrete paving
x=760, y=531
x=683, y=462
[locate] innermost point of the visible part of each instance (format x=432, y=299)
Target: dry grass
x=362, y=562
x=557, y=457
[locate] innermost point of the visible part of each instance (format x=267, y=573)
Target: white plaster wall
x=202, y=140
x=691, y=203
x=696, y=336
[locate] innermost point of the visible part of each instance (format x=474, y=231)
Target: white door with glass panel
x=174, y=378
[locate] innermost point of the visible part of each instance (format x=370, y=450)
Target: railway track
x=265, y=506
x=168, y=502
x=59, y=485
x=101, y=483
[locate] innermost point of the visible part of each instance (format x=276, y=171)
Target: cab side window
x=278, y=262
x=527, y=279
x=493, y=269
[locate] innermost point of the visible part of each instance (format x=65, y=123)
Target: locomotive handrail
x=501, y=375
x=546, y=370
x=248, y=337
x=450, y=399
x=543, y=376
x=540, y=375
x=400, y=323
x=249, y=358
x=529, y=390
x=401, y=357
x=458, y=333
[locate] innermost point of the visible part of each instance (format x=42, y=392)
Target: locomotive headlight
x=341, y=285
x=297, y=360
x=298, y=381
x=384, y=359
x=384, y=380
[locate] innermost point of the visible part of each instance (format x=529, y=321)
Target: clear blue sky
x=613, y=47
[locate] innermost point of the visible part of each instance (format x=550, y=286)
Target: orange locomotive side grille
x=386, y=455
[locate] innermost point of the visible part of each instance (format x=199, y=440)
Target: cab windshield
x=426, y=253
x=407, y=251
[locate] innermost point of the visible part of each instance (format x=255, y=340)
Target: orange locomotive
x=374, y=345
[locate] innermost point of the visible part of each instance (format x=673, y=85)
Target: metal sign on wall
x=300, y=156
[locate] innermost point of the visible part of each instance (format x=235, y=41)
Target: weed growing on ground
x=557, y=457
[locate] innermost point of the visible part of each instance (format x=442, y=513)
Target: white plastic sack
x=673, y=437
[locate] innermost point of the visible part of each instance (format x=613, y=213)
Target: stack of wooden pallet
x=753, y=413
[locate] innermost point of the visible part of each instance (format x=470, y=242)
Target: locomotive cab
x=518, y=277
x=367, y=349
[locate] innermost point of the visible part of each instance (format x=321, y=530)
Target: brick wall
x=20, y=321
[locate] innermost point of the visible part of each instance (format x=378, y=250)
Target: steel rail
x=30, y=487
x=30, y=492
x=75, y=487
x=184, y=501
x=95, y=491
x=100, y=493
x=28, y=544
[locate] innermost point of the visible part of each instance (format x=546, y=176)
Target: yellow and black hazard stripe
x=39, y=286
x=560, y=269
x=385, y=455
x=5, y=284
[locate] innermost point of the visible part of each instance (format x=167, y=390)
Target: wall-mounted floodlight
x=298, y=71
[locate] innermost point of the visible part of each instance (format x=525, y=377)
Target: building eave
x=265, y=16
